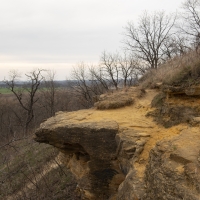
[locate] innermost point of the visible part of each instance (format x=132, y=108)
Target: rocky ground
x=130, y=149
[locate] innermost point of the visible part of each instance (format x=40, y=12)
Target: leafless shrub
x=26, y=95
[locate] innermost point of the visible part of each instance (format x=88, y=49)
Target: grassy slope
x=20, y=164
x=179, y=71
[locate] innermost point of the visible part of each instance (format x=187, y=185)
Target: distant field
x=4, y=91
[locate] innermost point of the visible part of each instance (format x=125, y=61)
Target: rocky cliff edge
x=127, y=153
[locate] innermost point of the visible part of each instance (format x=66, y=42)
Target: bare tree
x=98, y=79
x=49, y=92
x=146, y=40
x=110, y=68
x=129, y=68
x=175, y=46
x=26, y=95
x=81, y=87
x=191, y=21
x=89, y=82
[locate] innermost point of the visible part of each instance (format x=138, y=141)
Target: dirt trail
x=48, y=167
x=133, y=117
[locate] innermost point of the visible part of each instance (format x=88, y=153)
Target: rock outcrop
x=112, y=101
x=90, y=150
x=97, y=153
x=120, y=154
x=173, y=171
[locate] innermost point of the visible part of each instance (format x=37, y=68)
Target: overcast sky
x=58, y=34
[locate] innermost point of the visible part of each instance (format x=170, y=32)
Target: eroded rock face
x=90, y=149
x=173, y=171
x=98, y=154
x=130, y=146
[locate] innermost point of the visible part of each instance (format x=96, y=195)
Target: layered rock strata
x=99, y=154
x=122, y=154
x=90, y=149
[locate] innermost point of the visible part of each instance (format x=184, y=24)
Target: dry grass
x=182, y=70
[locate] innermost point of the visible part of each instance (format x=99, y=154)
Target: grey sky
x=57, y=34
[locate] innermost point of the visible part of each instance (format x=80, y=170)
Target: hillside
x=29, y=170
x=138, y=142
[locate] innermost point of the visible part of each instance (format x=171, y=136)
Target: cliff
x=132, y=145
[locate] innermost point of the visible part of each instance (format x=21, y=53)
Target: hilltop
x=139, y=142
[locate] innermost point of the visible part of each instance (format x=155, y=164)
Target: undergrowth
x=20, y=164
